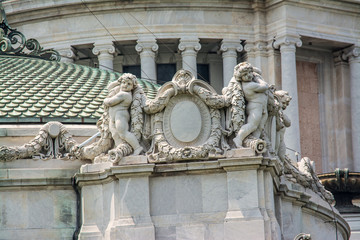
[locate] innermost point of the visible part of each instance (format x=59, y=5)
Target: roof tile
x=33, y=88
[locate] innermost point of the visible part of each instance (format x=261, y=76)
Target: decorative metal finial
x=13, y=42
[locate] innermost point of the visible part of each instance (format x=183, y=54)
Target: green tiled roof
x=35, y=90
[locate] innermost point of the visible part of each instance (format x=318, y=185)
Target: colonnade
x=147, y=48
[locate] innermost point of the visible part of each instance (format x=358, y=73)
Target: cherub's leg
x=264, y=117
x=114, y=133
x=253, y=121
x=132, y=140
x=122, y=126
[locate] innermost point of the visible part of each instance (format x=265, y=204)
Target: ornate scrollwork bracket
x=13, y=42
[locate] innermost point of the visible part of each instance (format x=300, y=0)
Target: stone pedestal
x=237, y=197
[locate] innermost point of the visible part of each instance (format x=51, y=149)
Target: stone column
x=289, y=83
x=189, y=46
x=67, y=54
x=147, y=47
x=105, y=53
x=353, y=55
x=342, y=156
x=229, y=49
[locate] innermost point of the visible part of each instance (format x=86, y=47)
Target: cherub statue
x=254, y=89
x=119, y=101
x=282, y=122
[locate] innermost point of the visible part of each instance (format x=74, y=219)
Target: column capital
x=67, y=54
x=146, y=44
x=351, y=53
x=189, y=45
x=231, y=45
x=338, y=58
x=287, y=42
x=104, y=49
x=255, y=46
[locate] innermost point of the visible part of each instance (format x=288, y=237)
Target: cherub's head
x=244, y=72
x=284, y=98
x=127, y=82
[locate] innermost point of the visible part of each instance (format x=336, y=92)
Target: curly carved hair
x=243, y=67
x=129, y=76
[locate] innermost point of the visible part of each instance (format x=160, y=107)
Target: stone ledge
x=25, y=182
x=12, y=130
x=42, y=164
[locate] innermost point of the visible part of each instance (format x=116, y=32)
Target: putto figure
x=119, y=101
x=254, y=89
x=282, y=122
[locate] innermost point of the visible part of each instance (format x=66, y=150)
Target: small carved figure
x=282, y=122
x=119, y=102
x=254, y=88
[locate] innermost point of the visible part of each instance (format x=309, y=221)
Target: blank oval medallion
x=185, y=121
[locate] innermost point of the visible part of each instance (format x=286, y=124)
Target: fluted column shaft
x=189, y=46
x=229, y=49
x=105, y=54
x=147, y=48
x=289, y=83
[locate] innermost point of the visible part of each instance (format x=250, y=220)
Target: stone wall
x=234, y=198
x=37, y=199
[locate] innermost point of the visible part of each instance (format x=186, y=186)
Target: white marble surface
x=202, y=200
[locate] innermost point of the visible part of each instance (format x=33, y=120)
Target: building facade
x=309, y=48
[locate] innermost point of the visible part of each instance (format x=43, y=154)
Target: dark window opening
x=165, y=72
x=134, y=69
x=203, y=72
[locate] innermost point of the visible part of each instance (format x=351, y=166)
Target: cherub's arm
x=112, y=101
x=112, y=85
x=258, y=87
